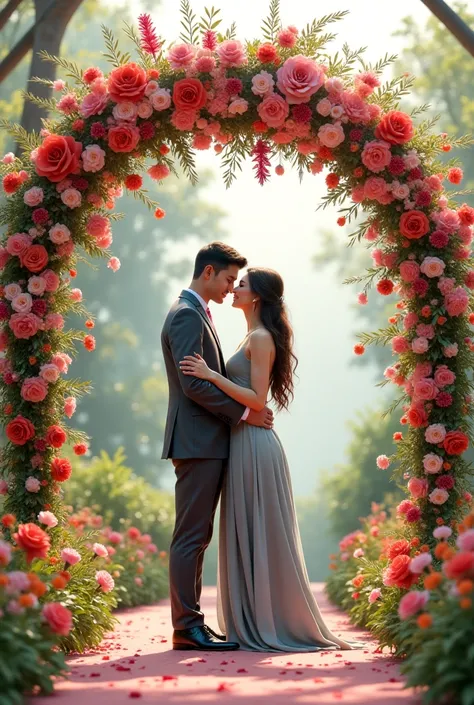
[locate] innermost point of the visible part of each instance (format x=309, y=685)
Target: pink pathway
x=137, y=662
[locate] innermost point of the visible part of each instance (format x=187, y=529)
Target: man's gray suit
x=197, y=437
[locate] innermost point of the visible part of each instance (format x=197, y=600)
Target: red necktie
x=208, y=311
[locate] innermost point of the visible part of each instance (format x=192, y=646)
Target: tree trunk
x=52, y=19
x=8, y=11
x=452, y=22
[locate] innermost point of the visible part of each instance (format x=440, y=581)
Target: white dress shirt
x=205, y=307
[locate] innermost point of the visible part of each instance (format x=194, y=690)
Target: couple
x=219, y=435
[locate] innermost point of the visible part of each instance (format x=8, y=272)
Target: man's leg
x=198, y=486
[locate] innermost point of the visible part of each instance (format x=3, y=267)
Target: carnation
x=105, y=580
x=70, y=555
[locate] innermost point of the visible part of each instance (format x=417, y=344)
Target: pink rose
x=183, y=119
x=262, y=83
x=144, y=109
x=69, y=406
x=58, y=617
x=12, y=290
x=411, y=603
x=32, y=484
x=71, y=197
x=51, y=278
x=93, y=158
x=231, y=53
x=432, y=267
x=420, y=345
x=125, y=110
x=331, y=136
x=400, y=344
x=299, y=78
x=443, y=376
x=54, y=320
x=36, y=285
x=18, y=243
x=34, y=389
x=22, y=303
x=425, y=330
x=97, y=225
x=34, y=196
x=48, y=519
x=451, y=350
x=410, y=320
x=59, y=233
x=426, y=389
x=24, y=325
x=447, y=220
x=49, y=372
x=436, y=433
x=375, y=188
x=273, y=110
x=420, y=562
x=376, y=155
x=95, y=103
x=323, y=107
x=161, y=99
x=438, y=496
x=181, y=55
x=355, y=108
x=457, y=301
x=432, y=463
x=417, y=487
x=465, y=541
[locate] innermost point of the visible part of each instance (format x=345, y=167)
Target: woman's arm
x=261, y=352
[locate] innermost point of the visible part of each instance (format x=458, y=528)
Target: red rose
x=456, y=443
x=34, y=258
x=59, y=618
x=20, y=430
x=417, y=416
x=466, y=214
x=267, y=53
x=56, y=436
x=398, y=548
x=189, y=94
x=58, y=157
x=414, y=224
x=385, y=287
x=395, y=127
x=123, y=138
x=80, y=449
x=398, y=573
x=33, y=540
x=61, y=469
x=127, y=83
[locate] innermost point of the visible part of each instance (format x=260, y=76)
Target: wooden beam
x=453, y=22
x=8, y=11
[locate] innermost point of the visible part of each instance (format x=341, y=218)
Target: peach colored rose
x=239, y=106
x=59, y=233
x=58, y=157
x=127, y=82
x=262, y=83
x=22, y=303
x=273, y=110
x=36, y=285
x=376, y=155
x=299, y=78
x=435, y=433
x=34, y=389
x=34, y=196
x=438, y=496
x=50, y=373
x=432, y=267
x=71, y=197
x=375, y=188
x=11, y=290
x=93, y=158
x=420, y=345
x=24, y=325
x=123, y=138
x=231, y=53
x=323, y=107
x=18, y=243
x=181, y=55
x=125, y=110
x=409, y=270
x=432, y=463
x=426, y=389
x=161, y=99
x=144, y=109
x=331, y=136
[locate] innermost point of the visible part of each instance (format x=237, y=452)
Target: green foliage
x=28, y=658
x=111, y=489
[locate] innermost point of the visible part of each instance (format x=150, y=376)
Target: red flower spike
x=261, y=161
x=149, y=39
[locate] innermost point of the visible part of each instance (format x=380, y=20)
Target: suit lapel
x=195, y=302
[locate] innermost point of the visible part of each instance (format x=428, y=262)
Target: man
x=197, y=437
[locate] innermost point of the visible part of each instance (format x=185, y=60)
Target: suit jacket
x=199, y=414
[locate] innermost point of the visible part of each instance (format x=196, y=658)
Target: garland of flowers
x=281, y=98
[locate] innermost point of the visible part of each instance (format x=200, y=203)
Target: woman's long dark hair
x=268, y=286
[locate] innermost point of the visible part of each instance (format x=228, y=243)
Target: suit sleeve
x=185, y=338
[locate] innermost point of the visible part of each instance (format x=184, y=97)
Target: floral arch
x=278, y=99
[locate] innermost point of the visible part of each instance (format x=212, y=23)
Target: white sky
x=277, y=226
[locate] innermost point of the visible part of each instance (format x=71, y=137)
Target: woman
x=265, y=601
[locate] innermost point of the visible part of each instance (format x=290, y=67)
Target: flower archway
x=281, y=99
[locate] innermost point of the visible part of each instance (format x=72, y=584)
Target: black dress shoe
x=221, y=637
x=199, y=639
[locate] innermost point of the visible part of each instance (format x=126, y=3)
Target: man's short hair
x=220, y=256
